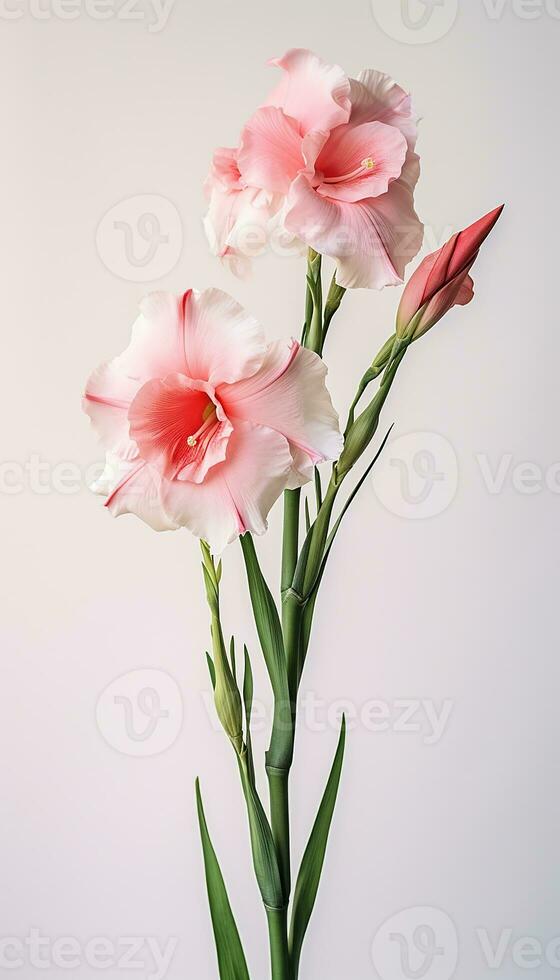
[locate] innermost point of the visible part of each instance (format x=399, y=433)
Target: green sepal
x=265, y=861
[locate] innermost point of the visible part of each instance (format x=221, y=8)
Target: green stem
x=278, y=936
x=378, y=366
x=278, y=783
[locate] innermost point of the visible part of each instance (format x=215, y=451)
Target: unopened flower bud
x=442, y=280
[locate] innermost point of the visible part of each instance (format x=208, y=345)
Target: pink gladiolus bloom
x=205, y=424
x=330, y=160
x=442, y=280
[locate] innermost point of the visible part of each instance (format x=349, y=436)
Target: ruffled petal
x=270, y=154
x=311, y=91
x=238, y=225
x=224, y=171
x=135, y=488
x=376, y=97
x=156, y=349
x=157, y=345
x=289, y=395
x=237, y=494
x=107, y=398
x=224, y=343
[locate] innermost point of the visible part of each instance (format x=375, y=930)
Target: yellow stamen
x=191, y=441
x=368, y=163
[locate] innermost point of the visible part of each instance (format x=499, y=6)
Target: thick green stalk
x=278, y=784
x=279, y=952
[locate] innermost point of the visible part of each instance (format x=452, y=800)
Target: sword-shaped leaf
x=231, y=958
x=313, y=859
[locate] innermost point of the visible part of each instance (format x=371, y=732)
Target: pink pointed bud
x=442, y=280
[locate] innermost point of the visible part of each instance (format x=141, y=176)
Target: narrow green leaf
x=307, y=517
x=313, y=859
x=232, y=657
x=271, y=639
x=267, y=619
x=248, y=703
x=318, y=489
x=211, y=669
x=231, y=958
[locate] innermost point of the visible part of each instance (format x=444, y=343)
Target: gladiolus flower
x=331, y=161
x=204, y=423
x=442, y=280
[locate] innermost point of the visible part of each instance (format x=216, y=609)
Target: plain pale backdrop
x=458, y=607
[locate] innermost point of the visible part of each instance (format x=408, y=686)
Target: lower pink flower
x=205, y=424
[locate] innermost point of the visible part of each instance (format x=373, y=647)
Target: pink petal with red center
x=289, y=394
x=156, y=348
x=179, y=427
x=311, y=91
x=237, y=494
x=372, y=240
x=361, y=161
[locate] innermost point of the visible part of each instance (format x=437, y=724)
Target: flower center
x=179, y=427
x=366, y=165
x=208, y=420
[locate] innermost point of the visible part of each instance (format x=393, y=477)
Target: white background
x=459, y=606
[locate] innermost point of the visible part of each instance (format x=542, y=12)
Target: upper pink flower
x=204, y=423
x=330, y=160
